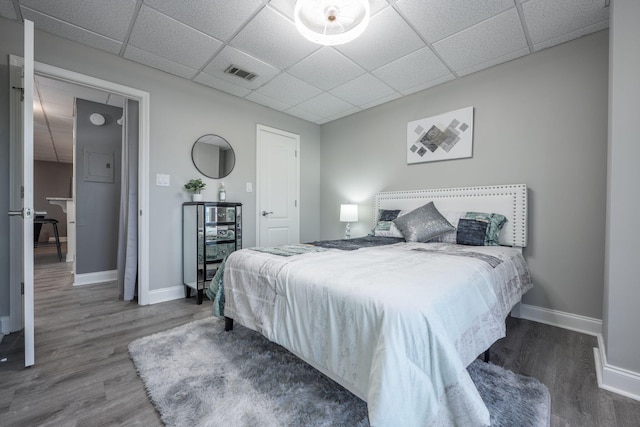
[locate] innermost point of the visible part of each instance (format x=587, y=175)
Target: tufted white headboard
x=507, y=200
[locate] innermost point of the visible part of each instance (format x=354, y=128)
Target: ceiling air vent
x=232, y=69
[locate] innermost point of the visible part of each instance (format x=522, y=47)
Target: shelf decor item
x=195, y=186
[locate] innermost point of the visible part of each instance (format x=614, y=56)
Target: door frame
x=143, y=99
x=259, y=155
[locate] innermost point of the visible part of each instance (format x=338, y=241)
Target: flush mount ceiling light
x=331, y=22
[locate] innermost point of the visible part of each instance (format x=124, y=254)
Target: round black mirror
x=213, y=156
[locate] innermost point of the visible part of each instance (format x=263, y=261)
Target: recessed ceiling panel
x=326, y=69
x=217, y=18
x=158, y=62
x=325, y=105
x=71, y=32
x=414, y=70
x=7, y=10
x=387, y=38
x=288, y=90
x=437, y=19
x=362, y=90
x=552, y=19
x=180, y=43
x=273, y=39
x=109, y=18
x=494, y=38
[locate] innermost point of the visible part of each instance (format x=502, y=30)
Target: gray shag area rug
x=199, y=375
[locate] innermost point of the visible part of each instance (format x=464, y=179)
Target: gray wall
x=622, y=285
x=540, y=120
x=51, y=179
x=181, y=111
x=97, y=203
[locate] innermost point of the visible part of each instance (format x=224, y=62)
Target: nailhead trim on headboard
x=517, y=194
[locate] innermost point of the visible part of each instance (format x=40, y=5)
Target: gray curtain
x=128, y=228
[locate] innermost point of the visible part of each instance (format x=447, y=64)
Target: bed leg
x=487, y=355
x=228, y=324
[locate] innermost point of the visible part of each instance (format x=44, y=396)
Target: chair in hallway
x=38, y=222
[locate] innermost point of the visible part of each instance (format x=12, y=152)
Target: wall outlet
x=163, y=180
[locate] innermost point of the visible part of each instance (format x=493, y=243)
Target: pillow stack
x=426, y=223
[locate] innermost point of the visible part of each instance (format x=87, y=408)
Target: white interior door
x=21, y=194
x=277, y=187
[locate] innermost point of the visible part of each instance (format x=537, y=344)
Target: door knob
x=265, y=213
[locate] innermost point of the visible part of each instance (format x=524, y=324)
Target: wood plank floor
x=84, y=377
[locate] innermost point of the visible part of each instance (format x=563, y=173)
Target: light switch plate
x=163, y=180
x=249, y=187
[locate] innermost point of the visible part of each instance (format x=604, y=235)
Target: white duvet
x=397, y=325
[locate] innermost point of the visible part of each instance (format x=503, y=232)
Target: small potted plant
x=195, y=186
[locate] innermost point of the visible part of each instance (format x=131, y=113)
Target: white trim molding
x=612, y=378
x=97, y=277
x=561, y=319
x=166, y=294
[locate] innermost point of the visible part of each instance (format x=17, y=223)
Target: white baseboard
x=166, y=294
x=561, y=319
x=612, y=378
x=53, y=239
x=97, y=277
x=4, y=325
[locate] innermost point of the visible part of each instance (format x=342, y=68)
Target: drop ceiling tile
x=71, y=32
x=326, y=69
x=59, y=108
x=363, y=90
x=274, y=39
x=302, y=114
x=159, y=63
x=343, y=114
x=7, y=10
x=288, y=90
x=416, y=69
x=266, y=101
x=572, y=35
x=60, y=136
x=381, y=101
x=286, y=7
x=387, y=38
x=491, y=39
x=493, y=61
x=180, y=43
x=427, y=85
x=222, y=85
x=437, y=19
x=59, y=122
x=108, y=18
x=230, y=55
x=548, y=19
x=217, y=18
x=325, y=105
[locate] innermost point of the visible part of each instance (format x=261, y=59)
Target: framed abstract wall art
x=443, y=137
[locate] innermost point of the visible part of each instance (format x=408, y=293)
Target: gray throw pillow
x=423, y=224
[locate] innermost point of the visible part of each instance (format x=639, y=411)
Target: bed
x=395, y=322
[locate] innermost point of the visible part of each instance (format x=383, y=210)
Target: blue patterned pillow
x=384, y=225
x=479, y=229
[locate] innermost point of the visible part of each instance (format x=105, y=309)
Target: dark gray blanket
x=357, y=243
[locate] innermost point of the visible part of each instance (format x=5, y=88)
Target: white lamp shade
x=331, y=22
x=349, y=213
